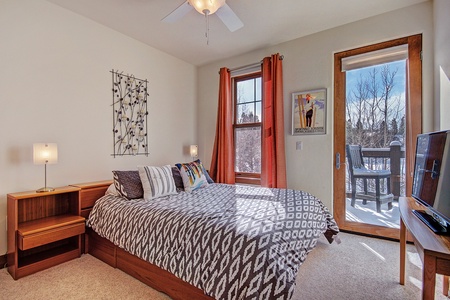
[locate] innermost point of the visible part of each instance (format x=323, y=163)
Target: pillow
x=177, y=178
x=208, y=178
x=112, y=190
x=193, y=176
x=157, y=181
x=128, y=184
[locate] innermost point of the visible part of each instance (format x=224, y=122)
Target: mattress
x=231, y=241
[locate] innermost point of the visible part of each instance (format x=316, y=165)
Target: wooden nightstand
x=44, y=229
x=89, y=193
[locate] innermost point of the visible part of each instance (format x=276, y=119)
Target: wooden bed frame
x=155, y=277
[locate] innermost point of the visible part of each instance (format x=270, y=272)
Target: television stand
x=433, y=249
x=431, y=222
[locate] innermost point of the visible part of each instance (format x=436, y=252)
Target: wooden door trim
x=414, y=105
x=413, y=111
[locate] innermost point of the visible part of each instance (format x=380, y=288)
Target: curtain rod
x=254, y=65
x=249, y=66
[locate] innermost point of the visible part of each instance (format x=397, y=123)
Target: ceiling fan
x=207, y=8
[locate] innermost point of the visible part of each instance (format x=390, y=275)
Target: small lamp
x=43, y=154
x=193, y=151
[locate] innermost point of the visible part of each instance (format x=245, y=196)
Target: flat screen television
x=431, y=180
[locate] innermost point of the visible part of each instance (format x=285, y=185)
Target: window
x=353, y=96
x=247, y=128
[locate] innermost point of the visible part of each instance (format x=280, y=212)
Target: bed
x=217, y=242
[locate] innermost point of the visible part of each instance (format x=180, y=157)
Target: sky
x=400, y=77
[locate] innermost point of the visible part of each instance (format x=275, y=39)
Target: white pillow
x=112, y=190
x=157, y=181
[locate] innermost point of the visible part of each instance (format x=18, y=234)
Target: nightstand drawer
x=89, y=196
x=48, y=236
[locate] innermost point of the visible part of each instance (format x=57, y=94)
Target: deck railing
x=391, y=158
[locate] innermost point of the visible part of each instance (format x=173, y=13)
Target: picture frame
x=309, y=112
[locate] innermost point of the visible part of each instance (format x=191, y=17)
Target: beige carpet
x=358, y=268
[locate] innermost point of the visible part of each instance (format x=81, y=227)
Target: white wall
x=442, y=63
x=55, y=86
x=308, y=64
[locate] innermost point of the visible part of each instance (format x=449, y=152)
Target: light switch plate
x=299, y=145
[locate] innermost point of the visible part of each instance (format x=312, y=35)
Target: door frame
x=413, y=112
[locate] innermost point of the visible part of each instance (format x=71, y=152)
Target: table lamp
x=45, y=153
x=193, y=151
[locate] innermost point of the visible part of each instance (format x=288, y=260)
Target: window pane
x=246, y=91
x=258, y=112
x=245, y=113
x=376, y=105
x=248, y=149
x=258, y=89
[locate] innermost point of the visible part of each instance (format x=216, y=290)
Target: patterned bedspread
x=233, y=242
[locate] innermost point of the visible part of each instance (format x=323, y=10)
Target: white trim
x=368, y=59
x=244, y=70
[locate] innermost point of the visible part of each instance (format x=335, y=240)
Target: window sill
x=251, y=179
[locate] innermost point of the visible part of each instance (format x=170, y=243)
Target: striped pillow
x=157, y=181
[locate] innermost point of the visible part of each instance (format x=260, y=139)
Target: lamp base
x=45, y=189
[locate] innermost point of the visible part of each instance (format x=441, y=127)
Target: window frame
x=245, y=177
x=413, y=112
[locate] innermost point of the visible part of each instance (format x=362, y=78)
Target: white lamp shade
x=207, y=5
x=45, y=153
x=194, y=150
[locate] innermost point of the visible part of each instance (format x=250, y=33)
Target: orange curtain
x=222, y=162
x=273, y=165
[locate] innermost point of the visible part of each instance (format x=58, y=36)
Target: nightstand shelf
x=44, y=229
x=52, y=255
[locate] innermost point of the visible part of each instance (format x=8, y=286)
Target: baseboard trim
x=370, y=235
x=2, y=261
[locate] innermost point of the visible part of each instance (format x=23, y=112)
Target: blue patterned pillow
x=193, y=176
x=157, y=181
x=208, y=178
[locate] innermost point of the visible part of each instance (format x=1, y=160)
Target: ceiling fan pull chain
x=207, y=26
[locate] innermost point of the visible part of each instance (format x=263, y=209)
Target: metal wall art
x=129, y=115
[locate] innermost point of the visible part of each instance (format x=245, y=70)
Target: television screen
x=431, y=180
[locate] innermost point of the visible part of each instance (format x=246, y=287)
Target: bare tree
x=357, y=111
x=248, y=145
x=373, y=111
x=387, y=80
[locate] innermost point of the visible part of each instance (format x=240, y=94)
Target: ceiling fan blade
x=178, y=13
x=229, y=18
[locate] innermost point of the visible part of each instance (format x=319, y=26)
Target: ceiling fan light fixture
x=206, y=6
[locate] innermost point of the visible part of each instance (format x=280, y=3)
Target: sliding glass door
x=377, y=109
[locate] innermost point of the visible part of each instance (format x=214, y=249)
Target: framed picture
x=309, y=112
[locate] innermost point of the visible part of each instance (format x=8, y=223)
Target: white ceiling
x=266, y=23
